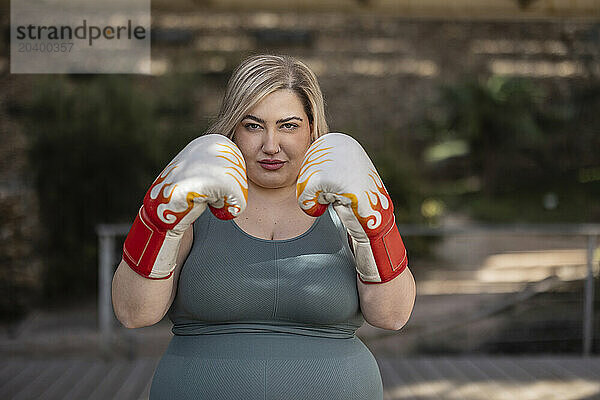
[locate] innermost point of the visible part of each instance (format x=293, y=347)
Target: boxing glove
x=209, y=171
x=337, y=170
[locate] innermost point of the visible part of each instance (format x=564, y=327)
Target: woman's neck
x=260, y=198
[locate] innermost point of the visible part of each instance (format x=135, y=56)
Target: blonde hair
x=260, y=75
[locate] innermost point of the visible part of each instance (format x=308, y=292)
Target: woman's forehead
x=278, y=104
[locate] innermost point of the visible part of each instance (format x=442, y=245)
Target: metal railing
x=107, y=260
x=590, y=231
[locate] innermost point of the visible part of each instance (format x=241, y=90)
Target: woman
x=263, y=291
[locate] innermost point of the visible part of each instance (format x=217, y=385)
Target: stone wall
x=378, y=73
x=403, y=8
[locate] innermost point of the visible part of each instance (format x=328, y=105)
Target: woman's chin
x=273, y=183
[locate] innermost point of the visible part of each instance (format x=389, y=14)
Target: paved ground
x=420, y=378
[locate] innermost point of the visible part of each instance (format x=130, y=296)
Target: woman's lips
x=271, y=165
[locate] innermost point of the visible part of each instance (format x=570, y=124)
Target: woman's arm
x=388, y=305
x=140, y=301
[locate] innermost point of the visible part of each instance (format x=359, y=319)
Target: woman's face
x=273, y=137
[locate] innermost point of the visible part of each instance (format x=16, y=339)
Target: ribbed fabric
x=267, y=319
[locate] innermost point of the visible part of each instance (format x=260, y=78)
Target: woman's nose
x=271, y=143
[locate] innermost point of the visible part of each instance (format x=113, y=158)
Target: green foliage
x=96, y=144
x=504, y=123
x=401, y=179
x=574, y=205
x=522, y=140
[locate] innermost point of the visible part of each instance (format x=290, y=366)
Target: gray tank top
x=232, y=282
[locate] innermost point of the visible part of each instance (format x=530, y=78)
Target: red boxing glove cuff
x=142, y=245
x=389, y=254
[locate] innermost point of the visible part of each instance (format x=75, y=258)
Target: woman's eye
x=289, y=125
x=251, y=126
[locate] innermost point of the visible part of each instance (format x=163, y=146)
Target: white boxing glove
x=211, y=171
x=337, y=170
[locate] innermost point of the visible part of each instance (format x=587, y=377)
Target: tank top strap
x=338, y=224
x=201, y=228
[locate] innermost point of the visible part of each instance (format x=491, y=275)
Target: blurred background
x=483, y=119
